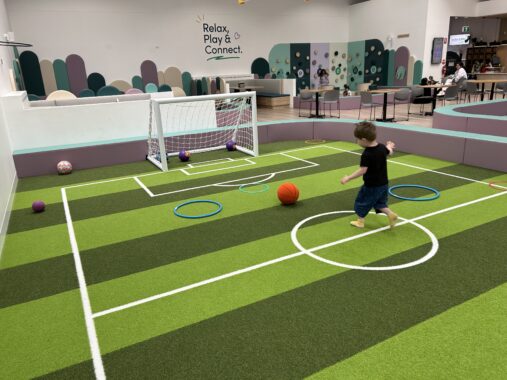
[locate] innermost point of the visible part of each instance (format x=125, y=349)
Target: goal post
x=202, y=123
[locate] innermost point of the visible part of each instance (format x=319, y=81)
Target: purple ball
x=230, y=145
x=184, y=155
x=38, y=206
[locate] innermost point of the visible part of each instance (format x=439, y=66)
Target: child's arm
x=390, y=147
x=358, y=173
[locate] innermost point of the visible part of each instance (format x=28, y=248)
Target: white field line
x=250, y=163
x=85, y=299
x=209, y=162
x=143, y=186
x=175, y=170
x=283, y=258
x=419, y=168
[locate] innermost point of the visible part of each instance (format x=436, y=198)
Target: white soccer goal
x=200, y=124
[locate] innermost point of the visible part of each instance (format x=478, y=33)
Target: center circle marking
x=309, y=251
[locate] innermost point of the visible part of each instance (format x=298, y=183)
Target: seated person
x=431, y=80
x=346, y=90
x=323, y=77
x=459, y=73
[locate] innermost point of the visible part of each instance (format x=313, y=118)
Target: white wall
x=437, y=25
x=491, y=8
x=7, y=172
x=115, y=36
x=382, y=18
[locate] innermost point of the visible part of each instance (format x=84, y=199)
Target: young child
x=346, y=90
x=373, y=168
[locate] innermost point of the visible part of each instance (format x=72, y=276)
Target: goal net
x=202, y=123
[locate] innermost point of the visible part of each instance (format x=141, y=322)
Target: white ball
x=64, y=167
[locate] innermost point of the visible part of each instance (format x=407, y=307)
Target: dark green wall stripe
x=128, y=257
x=32, y=75
x=300, y=332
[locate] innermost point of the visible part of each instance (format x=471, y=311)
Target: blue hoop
x=220, y=207
x=437, y=193
x=265, y=187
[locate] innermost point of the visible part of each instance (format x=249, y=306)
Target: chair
x=501, y=89
x=461, y=83
x=305, y=97
x=331, y=98
x=366, y=99
x=471, y=89
x=402, y=97
x=451, y=94
x=418, y=97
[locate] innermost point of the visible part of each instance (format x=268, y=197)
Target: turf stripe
x=112, y=261
x=467, y=341
x=24, y=219
x=299, y=332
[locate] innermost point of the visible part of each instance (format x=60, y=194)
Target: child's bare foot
x=393, y=219
x=357, y=223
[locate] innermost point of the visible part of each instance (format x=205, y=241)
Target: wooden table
x=484, y=81
x=384, y=91
x=435, y=88
x=317, y=91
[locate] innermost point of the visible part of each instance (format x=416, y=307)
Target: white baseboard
x=4, y=219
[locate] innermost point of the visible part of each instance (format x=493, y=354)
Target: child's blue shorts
x=370, y=197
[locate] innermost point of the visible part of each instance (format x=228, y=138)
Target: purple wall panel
x=486, y=154
x=42, y=163
x=263, y=134
x=487, y=126
x=494, y=109
x=290, y=131
x=401, y=58
x=319, y=57
x=334, y=131
x=77, y=73
x=149, y=72
x=453, y=123
x=425, y=144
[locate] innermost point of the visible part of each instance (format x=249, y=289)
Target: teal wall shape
x=390, y=73
x=32, y=75
x=204, y=82
x=375, y=59
x=108, y=90
x=418, y=70
x=96, y=81
x=300, y=65
x=20, y=85
x=137, y=82
x=279, y=60
x=355, y=63
x=186, y=78
x=61, y=75
x=260, y=67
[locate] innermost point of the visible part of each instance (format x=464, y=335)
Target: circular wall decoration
x=303, y=83
x=340, y=65
x=294, y=67
x=314, y=62
x=338, y=71
x=307, y=57
x=326, y=55
x=352, y=79
x=301, y=73
x=372, y=48
x=307, y=71
x=287, y=61
x=349, y=60
x=344, y=55
x=298, y=54
x=355, y=70
x=277, y=61
x=333, y=68
x=366, y=71
x=358, y=55
x=315, y=52
x=373, y=69
x=336, y=80
x=342, y=76
x=377, y=79
x=366, y=54
x=336, y=53
x=360, y=72
x=274, y=69
x=344, y=69
x=379, y=70
x=379, y=52
x=333, y=61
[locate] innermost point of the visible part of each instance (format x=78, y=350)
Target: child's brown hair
x=365, y=130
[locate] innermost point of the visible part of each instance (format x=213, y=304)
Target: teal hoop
x=220, y=207
x=435, y=196
x=265, y=187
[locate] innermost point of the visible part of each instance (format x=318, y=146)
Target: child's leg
x=393, y=218
x=362, y=207
x=359, y=223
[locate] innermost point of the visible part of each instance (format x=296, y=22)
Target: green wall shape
x=390, y=73
x=108, y=90
x=150, y=88
x=355, y=63
x=279, y=60
x=95, y=82
x=198, y=86
x=137, y=82
x=205, y=90
x=61, y=75
x=300, y=65
x=32, y=74
x=164, y=88
x=418, y=72
x=86, y=93
x=260, y=67
x=186, y=78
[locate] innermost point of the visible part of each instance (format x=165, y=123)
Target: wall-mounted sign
x=220, y=42
x=459, y=39
x=465, y=29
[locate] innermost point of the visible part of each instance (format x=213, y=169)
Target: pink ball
x=38, y=206
x=64, y=167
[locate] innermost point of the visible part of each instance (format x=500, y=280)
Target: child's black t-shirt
x=375, y=159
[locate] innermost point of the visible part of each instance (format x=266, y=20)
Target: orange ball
x=288, y=193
